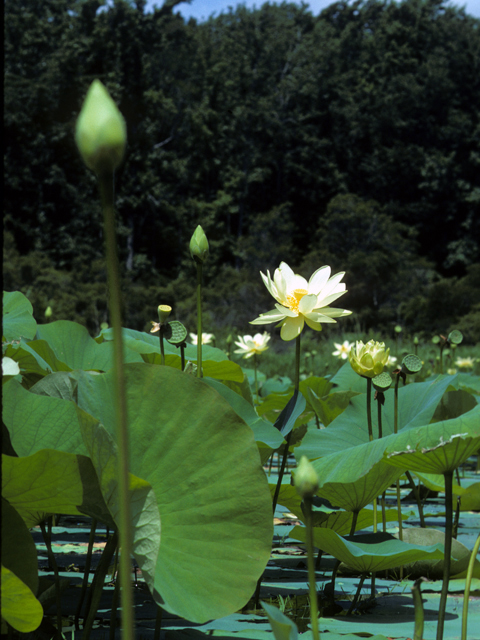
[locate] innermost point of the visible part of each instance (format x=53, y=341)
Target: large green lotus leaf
x=369, y=552
x=18, y=549
x=61, y=384
x=50, y=482
x=38, y=422
x=416, y=405
x=20, y=608
x=72, y=345
x=28, y=359
x=436, y=448
x=347, y=380
x=142, y=343
x=221, y=370
x=454, y=403
x=330, y=407
x=263, y=431
x=203, y=464
x=339, y=521
x=17, y=319
x=428, y=567
x=143, y=504
x=283, y=628
x=351, y=479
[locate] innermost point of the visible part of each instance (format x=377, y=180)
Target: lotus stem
x=106, y=184
x=369, y=409
x=162, y=346
x=47, y=535
x=311, y=569
x=419, y=616
x=88, y=562
x=417, y=498
x=468, y=582
x=199, y=319
x=97, y=585
x=255, y=373
x=357, y=595
x=448, y=475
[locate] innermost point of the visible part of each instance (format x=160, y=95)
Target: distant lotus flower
x=368, y=360
x=250, y=346
x=392, y=361
x=300, y=301
x=207, y=338
x=342, y=349
x=465, y=363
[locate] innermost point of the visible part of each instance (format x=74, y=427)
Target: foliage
x=272, y=128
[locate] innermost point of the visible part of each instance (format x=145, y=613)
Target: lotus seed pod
x=306, y=478
x=178, y=333
x=411, y=364
x=164, y=310
x=382, y=382
x=199, y=245
x=455, y=337
x=100, y=132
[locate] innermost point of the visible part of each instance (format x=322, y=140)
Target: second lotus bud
x=199, y=245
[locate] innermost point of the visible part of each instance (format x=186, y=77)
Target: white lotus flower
x=207, y=338
x=250, y=346
x=465, y=363
x=342, y=349
x=300, y=302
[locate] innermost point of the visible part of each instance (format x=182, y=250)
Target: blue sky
x=202, y=9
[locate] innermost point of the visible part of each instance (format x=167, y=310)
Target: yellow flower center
x=294, y=300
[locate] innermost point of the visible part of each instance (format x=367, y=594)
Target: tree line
x=348, y=139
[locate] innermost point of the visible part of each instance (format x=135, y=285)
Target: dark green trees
x=249, y=124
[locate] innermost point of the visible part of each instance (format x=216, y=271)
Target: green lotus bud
x=368, y=360
x=48, y=312
x=100, y=132
x=306, y=478
x=199, y=245
x=164, y=310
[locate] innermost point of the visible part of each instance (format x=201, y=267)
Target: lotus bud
x=306, y=478
x=199, y=246
x=100, y=132
x=164, y=310
x=48, y=312
x=368, y=360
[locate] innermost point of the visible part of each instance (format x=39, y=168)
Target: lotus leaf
x=18, y=319
x=20, y=608
x=203, y=464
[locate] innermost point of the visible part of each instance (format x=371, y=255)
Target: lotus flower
x=368, y=360
x=207, y=338
x=342, y=349
x=300, y=302
x=250, y=346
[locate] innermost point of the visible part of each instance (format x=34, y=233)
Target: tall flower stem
x=289, y=435
x=311, y=568
x=255, y=373
x=162, y=345
x=395, y=430
x=448, y=475
x=468, y=582
x=199, y=319
x=106, y=184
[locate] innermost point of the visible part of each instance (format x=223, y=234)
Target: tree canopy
x=350, y=138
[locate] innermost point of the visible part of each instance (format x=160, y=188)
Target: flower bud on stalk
x=199, y=246
x=100, y=132
x=368, y=360
x=306, y=478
